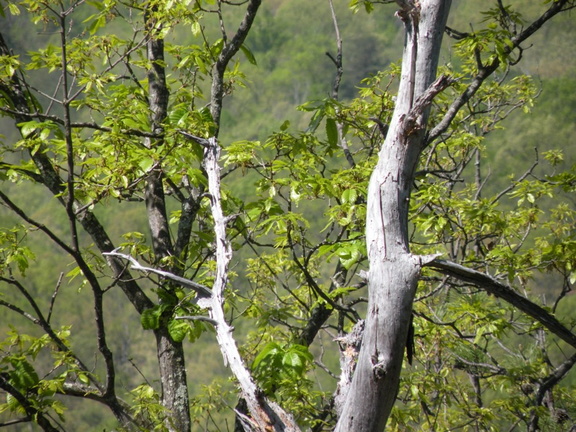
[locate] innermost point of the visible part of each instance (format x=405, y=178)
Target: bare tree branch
x=487, y=70
x=266, y=414
x=229, y=51
x=505, y=292
x=202, y=290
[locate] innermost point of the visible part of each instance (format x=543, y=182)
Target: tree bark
x=265, y=415
x=171, y=361
x=394, y=271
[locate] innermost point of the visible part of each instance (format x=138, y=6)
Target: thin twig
x=54, y=294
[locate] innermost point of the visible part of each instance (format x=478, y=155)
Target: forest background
x=289, y=44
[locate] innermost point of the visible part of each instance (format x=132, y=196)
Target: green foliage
x=212, y=398
x=355, y=5
x=148, y=408
x=14, y=251
x=277, y=366
x=295, y=188
x=23, y=356
x=281, y=370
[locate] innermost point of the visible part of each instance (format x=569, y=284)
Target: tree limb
x=31, y=411
x=230, y=49
x=267, y=415
x=505, y=292
x=202, y=290
x=486, y=71
x=16, y=92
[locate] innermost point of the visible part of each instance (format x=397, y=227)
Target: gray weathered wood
x=394, y=271
x=264, y=415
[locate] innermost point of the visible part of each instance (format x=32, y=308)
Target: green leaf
x=179, y=115
x=97, y=24
x=196, y=28
x=349, y=196
x=178, y=329
x=268, y=353
x=28, y=128
x=297, y=357
x=316, y=119
x=195, y=330
x=249, y=55
x=84, y=378
x=331, y=132
x=293, y=360
x=97, y=4
x=76, y=271
x=150, y=318
x=14, y=10
x=350, y=254
x=146, y=163
x=324, y=249
x=23, y=375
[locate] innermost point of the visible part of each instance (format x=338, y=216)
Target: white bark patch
x=266, y=416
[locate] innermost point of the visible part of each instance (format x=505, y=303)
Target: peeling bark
x=264, y=414
x=349, y=349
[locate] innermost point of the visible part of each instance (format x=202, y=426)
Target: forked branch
x=265, y=415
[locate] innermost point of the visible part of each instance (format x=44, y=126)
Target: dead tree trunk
x=394, y=271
